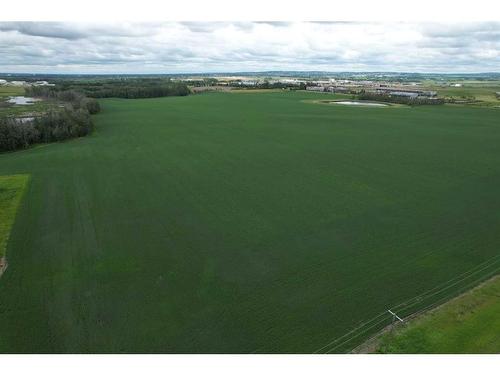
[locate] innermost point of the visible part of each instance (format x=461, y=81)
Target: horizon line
x=262, y=72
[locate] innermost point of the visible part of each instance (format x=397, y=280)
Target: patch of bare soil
x=3, y=265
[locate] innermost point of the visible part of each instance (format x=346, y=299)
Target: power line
x=418, y=299
x=443, y=299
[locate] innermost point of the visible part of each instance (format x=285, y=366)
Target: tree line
x=131, y=92
x=376, y=97
x=133, y=88
x=55, y=125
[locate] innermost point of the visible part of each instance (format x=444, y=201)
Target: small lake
x=364, y=104
x=24, y=120
x=22, y=100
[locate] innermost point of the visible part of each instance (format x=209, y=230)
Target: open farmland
x=247, y=223
x=6, y=91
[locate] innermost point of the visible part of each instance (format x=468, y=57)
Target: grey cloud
x=459, y=30
x=201, y=27
x=274, y=23
x=218, y=46
x=42, y=29
x=209, y=27
x=68, y=31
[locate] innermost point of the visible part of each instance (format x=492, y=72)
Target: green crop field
x=468, y=324
x=253, y=223
x=6, y=91
x=481, y=93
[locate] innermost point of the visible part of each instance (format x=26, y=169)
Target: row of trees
x=399, y=99
x=15, y=135
x=131, y=92
x=53, y=126
x=132, y=88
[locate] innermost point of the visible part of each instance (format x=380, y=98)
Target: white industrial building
x=315, y=88
x=17, y=83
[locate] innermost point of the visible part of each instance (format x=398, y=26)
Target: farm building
x=339, y=89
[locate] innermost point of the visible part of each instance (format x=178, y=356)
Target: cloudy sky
x=188, y=47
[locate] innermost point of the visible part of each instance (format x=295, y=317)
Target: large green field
x=248, y=223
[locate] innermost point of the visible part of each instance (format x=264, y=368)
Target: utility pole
x=394, y=317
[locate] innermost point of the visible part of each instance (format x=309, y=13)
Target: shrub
x=55, y=125
x=63, y=124
x=15, y=135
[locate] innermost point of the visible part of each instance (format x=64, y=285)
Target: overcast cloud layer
x=187, y=47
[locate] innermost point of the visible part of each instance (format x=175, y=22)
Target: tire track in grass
x=12, y=189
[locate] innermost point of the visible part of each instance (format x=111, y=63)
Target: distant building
x=289, y=81
x=429, y=93
x=339, y=89
x=315, y=88
x=17, y=83
x=404, y=93
x=3, y=81
x=248, y=83
x=43, y=83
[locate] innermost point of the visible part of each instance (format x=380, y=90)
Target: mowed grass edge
x=467, y=324
x=11, y=192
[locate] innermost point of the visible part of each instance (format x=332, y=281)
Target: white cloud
x=175, y=47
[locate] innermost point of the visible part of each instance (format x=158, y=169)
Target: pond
x=24, y=120
x=22, y=100
x=368, y=104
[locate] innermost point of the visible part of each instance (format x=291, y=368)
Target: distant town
x=331, y=85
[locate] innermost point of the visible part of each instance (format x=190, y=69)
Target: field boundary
x=371, y=344
x=16, y=186
x=381, y=322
